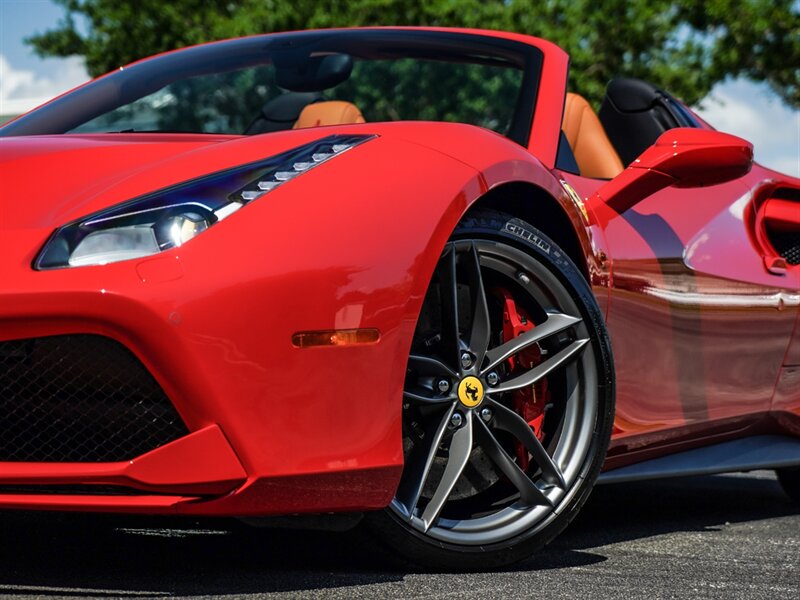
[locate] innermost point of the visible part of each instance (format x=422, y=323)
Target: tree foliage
x=685, y=46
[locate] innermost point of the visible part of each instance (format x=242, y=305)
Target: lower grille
x=79, y=398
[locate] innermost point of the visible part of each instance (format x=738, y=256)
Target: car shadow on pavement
x=624, y=512
x=116, y=556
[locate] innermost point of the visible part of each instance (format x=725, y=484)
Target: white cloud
x=746, y=109
x=22, y=90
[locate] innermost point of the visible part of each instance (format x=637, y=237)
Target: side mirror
x=682, y=157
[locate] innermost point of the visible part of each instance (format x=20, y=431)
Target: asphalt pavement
x=706, y=537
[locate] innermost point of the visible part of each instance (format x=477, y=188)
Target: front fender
x=350, y=244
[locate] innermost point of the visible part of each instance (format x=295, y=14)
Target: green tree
x=685, y=46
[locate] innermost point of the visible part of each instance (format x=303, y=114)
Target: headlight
x=174, y=216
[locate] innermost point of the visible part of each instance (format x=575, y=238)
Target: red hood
x=47, y=181
x=44, y=177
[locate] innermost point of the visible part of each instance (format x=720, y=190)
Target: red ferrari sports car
x=394, y=272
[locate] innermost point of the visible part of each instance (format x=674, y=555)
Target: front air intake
x=80, y=398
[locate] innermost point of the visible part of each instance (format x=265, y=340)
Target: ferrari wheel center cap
x=470, y=391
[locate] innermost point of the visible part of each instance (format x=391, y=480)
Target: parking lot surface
x=708, y=537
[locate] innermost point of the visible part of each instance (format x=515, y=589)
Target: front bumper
x=313, y=429
x=263, y=438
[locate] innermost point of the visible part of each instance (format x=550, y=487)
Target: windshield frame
x=109, y=91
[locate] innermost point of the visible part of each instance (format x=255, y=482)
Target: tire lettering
x=526, y=235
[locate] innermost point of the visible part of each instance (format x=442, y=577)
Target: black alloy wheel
x=508, y=402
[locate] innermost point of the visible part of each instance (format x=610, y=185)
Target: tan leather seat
x=593, y=151
x=333, y=112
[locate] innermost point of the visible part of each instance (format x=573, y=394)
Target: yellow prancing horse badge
x=470, y=391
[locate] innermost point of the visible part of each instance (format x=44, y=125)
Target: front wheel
x=508, y=403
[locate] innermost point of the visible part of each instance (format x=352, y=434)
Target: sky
x=739, y=107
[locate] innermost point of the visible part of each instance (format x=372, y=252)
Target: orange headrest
x=333, y=112
x=593, y=151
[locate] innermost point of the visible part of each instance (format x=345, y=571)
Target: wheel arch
x=538, y=207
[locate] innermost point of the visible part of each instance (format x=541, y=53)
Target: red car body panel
x=352, y=244
x=726, y=319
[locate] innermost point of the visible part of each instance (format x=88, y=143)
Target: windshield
x=261, y=84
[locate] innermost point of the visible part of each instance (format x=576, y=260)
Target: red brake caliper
x=528, y=402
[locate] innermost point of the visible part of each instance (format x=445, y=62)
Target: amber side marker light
x=335, y=337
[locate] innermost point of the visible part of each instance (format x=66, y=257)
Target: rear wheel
x=508, y=403
x=790, y=481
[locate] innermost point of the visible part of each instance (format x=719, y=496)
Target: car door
x=699, y=325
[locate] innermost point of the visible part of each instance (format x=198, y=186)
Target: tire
x=483, y=487
x=790, y=481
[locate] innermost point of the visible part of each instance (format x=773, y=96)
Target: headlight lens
x=172, y=217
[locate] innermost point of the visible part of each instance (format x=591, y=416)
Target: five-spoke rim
x=453, y=425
